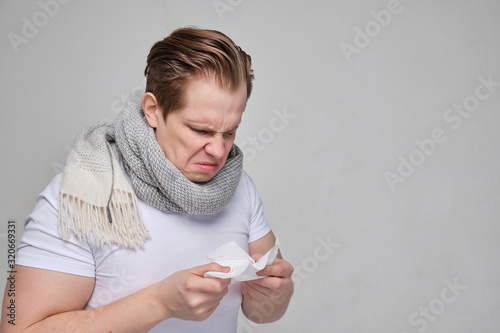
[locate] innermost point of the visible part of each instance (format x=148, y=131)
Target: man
x=118, y=242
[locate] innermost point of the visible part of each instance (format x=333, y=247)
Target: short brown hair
x=191, y=52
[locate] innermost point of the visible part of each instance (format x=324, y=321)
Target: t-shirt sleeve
x=258, y=223
x=40, y=245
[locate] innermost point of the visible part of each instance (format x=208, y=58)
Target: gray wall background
x=370, y=129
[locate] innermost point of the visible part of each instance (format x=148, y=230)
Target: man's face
x=197, y=137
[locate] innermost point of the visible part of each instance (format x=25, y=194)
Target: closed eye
x=208, y=132
x=200, y=131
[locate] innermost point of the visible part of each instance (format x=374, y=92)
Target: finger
x=280, y=269
x=272, y=284
x=211, y=286
x=260, y=293
x=213, y=303
x=255, y=292
x=211, y=267
x=225, y=282
x=261, y=286
x=214, y=286
x=207, y=309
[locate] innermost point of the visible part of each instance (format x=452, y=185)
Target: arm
x=49, y=301
x=266, y=300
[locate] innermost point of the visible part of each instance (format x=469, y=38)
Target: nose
x=216, y=147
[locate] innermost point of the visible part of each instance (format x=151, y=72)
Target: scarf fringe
x=84, y=219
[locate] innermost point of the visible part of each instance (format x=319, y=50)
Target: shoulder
x=246, y=182
x=54, y=185
x=52, y=189
x=50, y=193
x=246, y=190
x=247, y=195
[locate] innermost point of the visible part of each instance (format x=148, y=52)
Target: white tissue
x=243, y=267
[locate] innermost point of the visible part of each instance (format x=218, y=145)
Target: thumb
x=211, y=267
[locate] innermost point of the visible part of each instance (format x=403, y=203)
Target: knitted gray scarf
x=97, y=198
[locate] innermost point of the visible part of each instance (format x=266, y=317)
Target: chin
x=200, y=178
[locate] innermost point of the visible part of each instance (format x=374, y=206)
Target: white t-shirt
x=179, y=241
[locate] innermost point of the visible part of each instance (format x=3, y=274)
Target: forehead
x=206, y=101
x=211, y=89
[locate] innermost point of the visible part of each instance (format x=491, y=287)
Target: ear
x=151, y=109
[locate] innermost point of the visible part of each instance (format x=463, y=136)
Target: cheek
x=162, y=139
x=230, y=143
x=228, y=146
x=193, y=145
x=172, y=143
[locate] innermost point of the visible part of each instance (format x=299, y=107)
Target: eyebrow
x=208, y=126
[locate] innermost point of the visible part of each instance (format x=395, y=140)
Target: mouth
x=207, y=166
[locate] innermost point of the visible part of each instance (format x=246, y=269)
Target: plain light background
x=322, y=130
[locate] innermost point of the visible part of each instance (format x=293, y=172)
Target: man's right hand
x=188, y=295
x=50, y=301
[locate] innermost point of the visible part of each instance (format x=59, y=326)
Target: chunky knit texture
x=97, y=198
